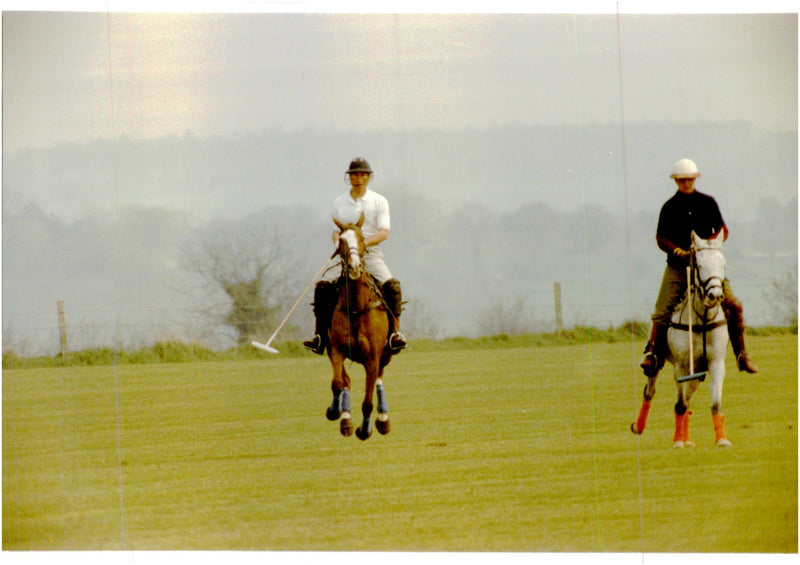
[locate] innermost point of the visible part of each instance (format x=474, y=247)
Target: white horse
x=698, y=341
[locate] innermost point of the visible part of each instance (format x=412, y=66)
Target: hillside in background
x=483, y=219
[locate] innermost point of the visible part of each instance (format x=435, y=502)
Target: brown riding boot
x=733, y=312
x=655, y=352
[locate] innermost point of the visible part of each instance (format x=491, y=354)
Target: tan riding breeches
x=672, y=291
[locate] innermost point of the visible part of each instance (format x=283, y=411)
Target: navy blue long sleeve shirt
x=680, y=215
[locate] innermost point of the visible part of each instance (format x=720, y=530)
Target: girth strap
x=698, y=329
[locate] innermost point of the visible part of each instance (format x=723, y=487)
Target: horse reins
x=705, y=327
x=370, y=280
x=350, y=314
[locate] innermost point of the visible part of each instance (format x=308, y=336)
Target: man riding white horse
x=347, y=209
x=686, y=211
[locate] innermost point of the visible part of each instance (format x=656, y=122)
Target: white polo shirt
x=374, y=206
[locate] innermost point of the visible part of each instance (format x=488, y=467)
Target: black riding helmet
x=359, y=165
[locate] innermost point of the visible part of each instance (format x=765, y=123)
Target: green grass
x=496, y=449
x=178, y=352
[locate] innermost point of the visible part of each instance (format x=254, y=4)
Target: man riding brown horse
x=347, y=209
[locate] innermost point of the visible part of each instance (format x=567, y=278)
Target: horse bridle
x=350, y=251
x=704, y=285
x=358, y=251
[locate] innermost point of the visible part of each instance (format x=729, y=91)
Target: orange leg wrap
x=686, y=427
x=641, y=421
x=681, y=426
x=719, y=427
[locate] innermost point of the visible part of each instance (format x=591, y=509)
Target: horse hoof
x=384, y=427
x=346, y=427
x=723, y=443
x=362, y=435
x=332, y=414
x=678, y=444
x=634, y=430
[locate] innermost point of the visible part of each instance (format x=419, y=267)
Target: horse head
x=351, y=247
x=709, y=267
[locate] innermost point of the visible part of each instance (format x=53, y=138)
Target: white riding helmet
x=685, y=169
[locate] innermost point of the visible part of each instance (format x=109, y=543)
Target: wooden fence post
x=559, y=317
x=62, y=327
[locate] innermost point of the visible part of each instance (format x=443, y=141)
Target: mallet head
x=264, y=347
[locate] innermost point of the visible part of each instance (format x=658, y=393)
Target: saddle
x=374, y=286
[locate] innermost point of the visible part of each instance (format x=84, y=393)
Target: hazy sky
x=77, y=76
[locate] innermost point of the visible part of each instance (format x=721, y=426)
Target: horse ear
x=695, y=239
x=338, y=223
x=361, y=220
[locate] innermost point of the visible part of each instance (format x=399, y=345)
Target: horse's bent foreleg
x=365, y=431
x=644, y=410
x=340, y=386
x=335, y=409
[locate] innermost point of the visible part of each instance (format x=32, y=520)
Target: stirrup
x=397, y=342
x=315, y=344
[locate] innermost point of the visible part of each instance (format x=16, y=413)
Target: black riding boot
x=324, y=303
x=655, y=353
x=394, y=300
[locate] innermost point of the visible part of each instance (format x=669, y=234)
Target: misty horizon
x=115, y=263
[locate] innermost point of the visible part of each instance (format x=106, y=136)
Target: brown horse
x=359, y=331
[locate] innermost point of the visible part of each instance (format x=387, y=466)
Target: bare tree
x=243, y=275
x=418, y=320
x=500, y=317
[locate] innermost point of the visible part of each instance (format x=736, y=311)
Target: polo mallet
x=266, y=346
x=692, y=375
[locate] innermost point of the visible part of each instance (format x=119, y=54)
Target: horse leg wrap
x=641, y=421
x=681, y=437
x=719, y=431
x=383, y=405
x=344, y=403
x=345, y=425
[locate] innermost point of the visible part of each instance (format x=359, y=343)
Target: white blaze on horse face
x=350, y=239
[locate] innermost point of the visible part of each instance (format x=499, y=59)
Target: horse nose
x=354, y=268
x=714, y=295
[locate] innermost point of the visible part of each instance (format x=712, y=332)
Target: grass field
x=506, y=450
